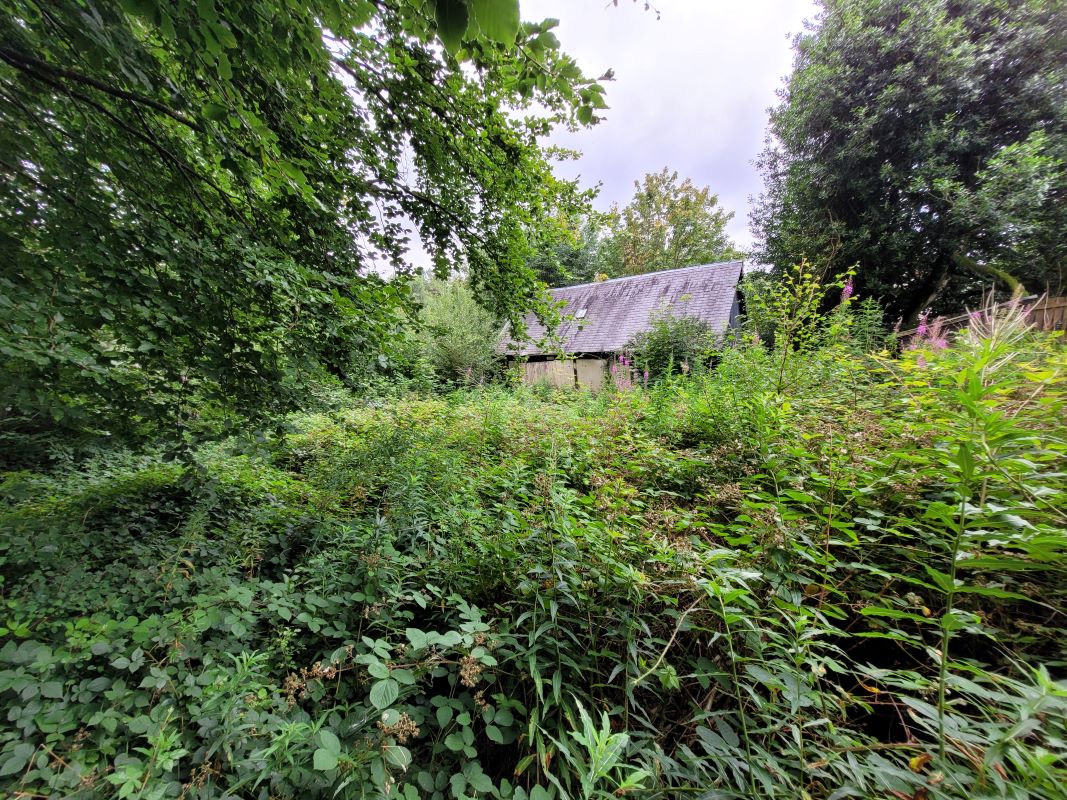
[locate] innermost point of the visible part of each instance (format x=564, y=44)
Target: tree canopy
x=571, y=248
x=195, y=193
x=668, y=224
x=926, y=143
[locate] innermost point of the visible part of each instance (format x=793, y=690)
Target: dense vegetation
x=272, y=526
x=925, y=141
x=194, y=194
x=816, y=572
x=669, y=223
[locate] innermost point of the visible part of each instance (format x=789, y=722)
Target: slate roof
x=617, y=309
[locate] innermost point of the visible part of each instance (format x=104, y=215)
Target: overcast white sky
x=691, y=90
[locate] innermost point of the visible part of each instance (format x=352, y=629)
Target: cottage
x=601, y=318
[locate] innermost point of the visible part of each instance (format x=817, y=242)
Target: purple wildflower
x=646, y=378
x=846, y=291
x=923, y=328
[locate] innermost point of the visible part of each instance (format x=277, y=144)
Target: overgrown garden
x=273, y=525
x=816, y=572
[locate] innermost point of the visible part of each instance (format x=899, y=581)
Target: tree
x=667, y=225
x=570, y=252
x=194, y=191
x=459, y=337
x=926, y=143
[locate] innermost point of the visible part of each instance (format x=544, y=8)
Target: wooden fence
x=1045, y=314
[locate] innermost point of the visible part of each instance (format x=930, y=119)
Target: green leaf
x=893, y=613
x=940, y=578
x=224, y=35
x=329, y=741
x=585, y=114
x=497, y=19
x=459, y=785
x=216, y=112
x=404, y=676
x=451, y=17
x=478, y=780
x=417, y=638
x=324, y=760
x=141, y=8
x=383, y=693
x=965, y=460
x=19, y=758
x=397, y=756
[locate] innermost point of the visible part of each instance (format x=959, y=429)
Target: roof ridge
x=740, y=262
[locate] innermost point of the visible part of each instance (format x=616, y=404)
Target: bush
x=672, y=345
x=460, y=338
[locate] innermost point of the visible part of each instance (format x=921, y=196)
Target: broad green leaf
x=397, y=756
x=378, y=670
x=417, y=638
x=452, y=20
x=324, y=760
x=216, y=111
x=384, y=692
x=329, y=741
x=497, y=19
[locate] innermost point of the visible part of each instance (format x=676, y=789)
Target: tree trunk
x=925, y=296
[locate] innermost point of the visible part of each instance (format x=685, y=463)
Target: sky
x=691, y=90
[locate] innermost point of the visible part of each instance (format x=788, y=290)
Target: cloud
x=691, y=90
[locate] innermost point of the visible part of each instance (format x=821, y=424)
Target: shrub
x=672, y=345
x=460, y=337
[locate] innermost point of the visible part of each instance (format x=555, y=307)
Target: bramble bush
x=816, y=571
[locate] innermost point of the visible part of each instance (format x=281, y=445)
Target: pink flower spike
x=923, y=328
x=846, y=291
